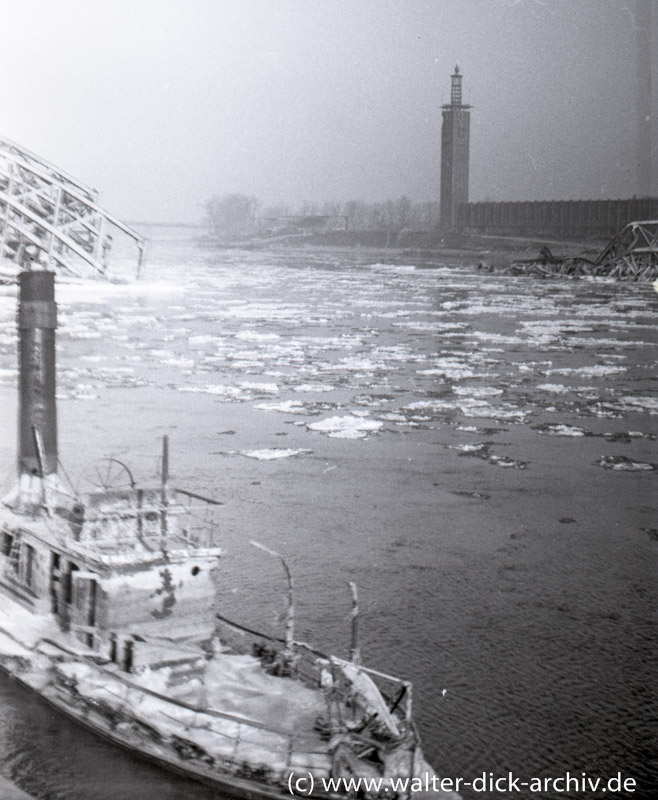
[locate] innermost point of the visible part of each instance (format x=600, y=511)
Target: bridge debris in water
x=630, y=255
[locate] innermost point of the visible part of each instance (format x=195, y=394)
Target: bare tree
x=231, y=214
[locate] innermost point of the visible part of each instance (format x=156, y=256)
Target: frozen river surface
x=476, y=452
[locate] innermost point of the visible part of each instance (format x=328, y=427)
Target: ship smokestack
x=37, y=419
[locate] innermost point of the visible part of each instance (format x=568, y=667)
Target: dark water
x=497, y=511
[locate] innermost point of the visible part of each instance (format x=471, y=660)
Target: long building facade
x=577, y=218
x=455, y=143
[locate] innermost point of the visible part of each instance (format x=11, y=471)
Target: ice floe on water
x=649, y=404
x=625, y=464
x=503, y=413
x=496, y=338
x=472, y=407
x=556, y=388
x=477, y=391
x=594, y=371
x=313, y=387
x=531, y=366
x=554, y=328
x=82, y=391
x=347, y=427
x=183, y=363
x=261, y=388
x=392, y=416
x=396, y=268
x=483, y=451
x=454, y=373
x=431, y=327
x=354, y=364
x=480, y=431
x=255, y=336
x=232, y=392
x=455, y=368
x=274, y=453
x=560, y=429
x=599, y=343
x=267, y=310
x=439, y=405
x=201, y=339
x=286, y=407
x=574, y=431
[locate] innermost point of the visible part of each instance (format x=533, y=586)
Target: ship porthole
x=196, y=570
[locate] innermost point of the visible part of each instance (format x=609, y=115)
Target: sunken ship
x=109, y=612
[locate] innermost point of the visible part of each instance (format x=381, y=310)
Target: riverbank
x=457, y=249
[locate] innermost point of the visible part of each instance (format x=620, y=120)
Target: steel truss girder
x=636, y=245
x=56, y=216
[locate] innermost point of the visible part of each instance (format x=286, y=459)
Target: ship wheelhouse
x=119, y=569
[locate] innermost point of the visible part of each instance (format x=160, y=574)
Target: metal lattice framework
x=630, y=255
x=49, y=216
x=633, y=251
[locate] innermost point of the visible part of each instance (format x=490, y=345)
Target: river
x=477, y=452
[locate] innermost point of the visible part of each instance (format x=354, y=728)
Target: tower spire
x=456, y=87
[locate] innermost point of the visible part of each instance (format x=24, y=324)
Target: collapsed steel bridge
x=49, y=217
x=632, y=255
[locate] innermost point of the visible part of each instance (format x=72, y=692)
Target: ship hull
x=232, y=785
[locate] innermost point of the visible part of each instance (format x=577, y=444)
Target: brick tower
x=455, y=133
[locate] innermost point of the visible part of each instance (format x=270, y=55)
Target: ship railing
x=201, y=525
x=178, y=516
x=309, y=662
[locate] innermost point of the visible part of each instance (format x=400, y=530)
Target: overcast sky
x=160, y=104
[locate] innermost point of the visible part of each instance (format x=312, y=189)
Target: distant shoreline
x=494, y=250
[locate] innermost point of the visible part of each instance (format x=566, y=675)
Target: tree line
x=241, y=214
